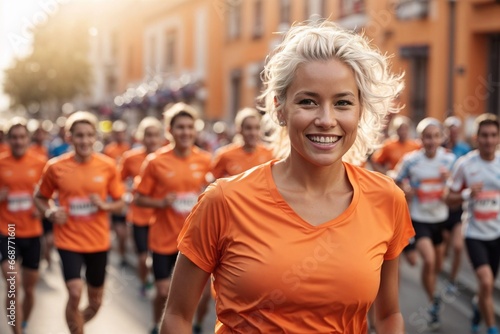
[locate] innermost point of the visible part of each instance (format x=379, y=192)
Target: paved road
x=125, y=312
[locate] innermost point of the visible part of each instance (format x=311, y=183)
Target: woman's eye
x=343, y=103
x=307, y=102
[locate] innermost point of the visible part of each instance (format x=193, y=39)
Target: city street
x=125, y=312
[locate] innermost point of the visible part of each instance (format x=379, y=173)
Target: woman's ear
x=279, y=113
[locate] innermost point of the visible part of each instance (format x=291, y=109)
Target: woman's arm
x=187, y=285
x=388, y=318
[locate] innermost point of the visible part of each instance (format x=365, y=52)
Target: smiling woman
x=294, y=219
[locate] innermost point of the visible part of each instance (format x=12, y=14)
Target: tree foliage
x=58, y=67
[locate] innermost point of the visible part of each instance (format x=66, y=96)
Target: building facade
x=211, y=52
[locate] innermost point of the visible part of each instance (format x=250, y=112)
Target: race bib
x=430, y=190
x=184, y=203
x=486, y=205
x=81, y=208
x=19, y=201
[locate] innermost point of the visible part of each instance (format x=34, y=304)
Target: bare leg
x=74, y=317
x=162, y=287
x=95, y=301
x=486, y=281
x=30, y=277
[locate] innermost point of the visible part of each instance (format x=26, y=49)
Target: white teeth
x=323, y=140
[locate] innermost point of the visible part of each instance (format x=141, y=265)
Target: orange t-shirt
x=39, y=149
x=87, y=228
x=166, y=173
x=115, y=150
x=274, y=272
x=129, y=167
x=232, y=159
x=20, y=177
x=393, y=150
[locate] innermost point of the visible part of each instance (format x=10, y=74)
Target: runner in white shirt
x=426, y=171
x=475, y=180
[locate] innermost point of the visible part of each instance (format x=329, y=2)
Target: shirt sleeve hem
x=186, y=251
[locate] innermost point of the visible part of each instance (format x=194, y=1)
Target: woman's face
x=322, y=111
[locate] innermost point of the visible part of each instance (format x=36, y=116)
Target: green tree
x=58, y=67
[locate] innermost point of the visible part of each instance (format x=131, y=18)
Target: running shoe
x=434, y=322
x=493, y=330
x=197, y=329
x=476, y=315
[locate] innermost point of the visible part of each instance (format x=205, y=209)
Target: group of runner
x=80, y=194
x=153, y=186
x=447, y=184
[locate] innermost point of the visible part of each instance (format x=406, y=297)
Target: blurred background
x=125, y=59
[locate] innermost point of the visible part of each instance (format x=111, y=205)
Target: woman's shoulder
x=371, y=181
x=249, y=180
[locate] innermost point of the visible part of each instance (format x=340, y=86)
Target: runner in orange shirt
x=238, y=157
x=20, y=226
x=393, y=149
x=115, y=150
x=119, y=145
x=170, y=181
x=279, y=239
x=149, y=134
x=385, y=159
x=38, y=138
x=82, y=179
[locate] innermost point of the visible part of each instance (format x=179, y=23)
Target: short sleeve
x=456, y=181
x=402, y=170
x=403, y=229
x=201, y=237
x=115, y=186
x=218, y=169
x=145, y=183
x=122, y=168
x=47, y=185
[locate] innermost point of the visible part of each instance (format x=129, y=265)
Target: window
x=493, y=81
x=315, y=9
x=170, y=50
x=258, y=28
x=418, y=58
x=349, y=7
x=323, y=10
x=235, y=81
x=233, y=19
x=285, y=8
x=152, y=53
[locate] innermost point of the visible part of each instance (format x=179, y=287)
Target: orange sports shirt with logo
x=166, y=173
x=87, y=227
x=115, y=150
x=393, y=150
x=129, y=167
x=276, y=273
x=232, y=159
x=20, y=177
